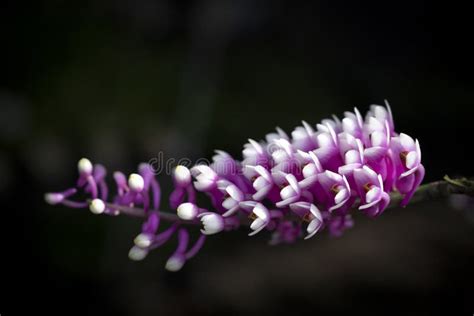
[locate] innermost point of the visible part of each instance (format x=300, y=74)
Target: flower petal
x=262, y=193
x=407, y=142
x=411, y=160
x=375, y=153
x=261, y=211
x=341, y=196
x=374, y=194
x=313, y=228
x=235, y=193
x=229, y=203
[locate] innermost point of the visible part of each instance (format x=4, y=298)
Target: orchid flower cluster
x=292, y=186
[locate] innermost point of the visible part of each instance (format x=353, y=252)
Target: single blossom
x=310, y=213
x=258, y=213
x=136, y=182
x=182, y=253
x=177, y=260
x=289, y=193
x=270, y=137
x=377, y=139
x=382, y=114
x=406, y=155
x=149, y=228
x=254, y=154
x=85, y=167
x=353, y=124
x=58, y=197
x=229, y=169
x=97, y=206
x=337, y=190
x=311, y=167
x=328, y=151
x=284, y=157
x=187, y=211
x=232, y=196
x=406, y=158
x=334, y=122
x=371, y=191
x=137, y=254
x=206, y=178
x=212, y=223
x=183, y=187
x=352, y=150
x=304, y=137
x=261, y=179
x=182, y=176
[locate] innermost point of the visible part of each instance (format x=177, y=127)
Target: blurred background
x=121, y=81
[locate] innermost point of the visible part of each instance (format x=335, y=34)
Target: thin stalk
x=426, y=192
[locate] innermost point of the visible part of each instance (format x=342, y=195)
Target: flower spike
x=293, y=185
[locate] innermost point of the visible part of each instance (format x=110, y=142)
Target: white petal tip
x=142, y=241
x=53, y=198
x=174, y=264
x=187, y=211
x=255, y=232
x=136, y=182
x=137, y=253
x=308, y=237
x=97, y=206
x=84, y=166
x=182, y=175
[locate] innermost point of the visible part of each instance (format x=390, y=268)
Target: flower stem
x=437, y=190
x=139, y=212
x=426, y=192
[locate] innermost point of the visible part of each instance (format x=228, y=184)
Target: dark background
x=122, y=81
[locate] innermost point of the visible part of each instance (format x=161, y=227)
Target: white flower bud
x=53, y=198
x=137, y=253
x=174, y=263
x=136, y=182
x=84, y=166
x=187, y=211
x=143, y=240
x=182, y=176
x=212, y=223
x=97, y=206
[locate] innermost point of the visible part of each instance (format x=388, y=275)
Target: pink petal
x=418, y=177
x=293, y=182
x=374, y=194
x=407, y=142
x=287, y=192
x=262, y=193
x=258, y=148
x=229, y=203
x=411, y=160
x=375, y=153
x=341, y=196
x=286, y=202
x=409, y=172
x=378, y=139
x=264, y=173
x=313, y=228
x=352, y=156
x=261, y=211
x=259, y=183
